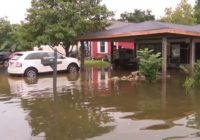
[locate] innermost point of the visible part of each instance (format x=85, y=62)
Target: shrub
x=197, y=73
x=189, y=83
x=184, y=68
x=193, y=82
x=149, y=64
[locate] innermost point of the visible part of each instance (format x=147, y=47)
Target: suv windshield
x=17, y=56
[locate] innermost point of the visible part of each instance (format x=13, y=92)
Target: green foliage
x=149, y=64
x=8, y=35
x=189, y=83
x=197, y=73
x=54, y=21
x=193, y=82
x=96, y=63
x=183, y=14
x=197, y=11
x=184, y=68
x=137, y=16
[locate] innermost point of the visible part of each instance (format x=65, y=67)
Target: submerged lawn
x=96, y=63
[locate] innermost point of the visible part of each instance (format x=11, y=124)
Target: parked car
x=30, y=63
x=7, y=58
x=4, y=57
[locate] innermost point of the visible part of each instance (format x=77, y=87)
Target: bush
x=197, y=73
x=149, y=64
x=193, y=82
x=189, y=83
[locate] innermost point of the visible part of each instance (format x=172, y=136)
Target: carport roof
x=144, y=29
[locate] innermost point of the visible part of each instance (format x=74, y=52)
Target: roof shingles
x=148, y=27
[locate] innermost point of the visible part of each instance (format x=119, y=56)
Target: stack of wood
x=134, y=76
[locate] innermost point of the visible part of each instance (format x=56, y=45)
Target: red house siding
x=94, y=48
x=127, y=45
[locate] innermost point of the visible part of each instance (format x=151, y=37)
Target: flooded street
x=91, y=106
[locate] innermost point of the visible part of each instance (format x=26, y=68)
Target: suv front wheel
x=31, y=72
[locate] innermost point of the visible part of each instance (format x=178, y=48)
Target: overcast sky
x=15, y=10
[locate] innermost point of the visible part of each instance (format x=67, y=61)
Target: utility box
x=47, y=61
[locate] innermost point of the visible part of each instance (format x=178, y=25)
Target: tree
x=197, y=11
x=8, y=40
x=23, y=37
x=54, y=21
x=183, y=14
x=137, y=16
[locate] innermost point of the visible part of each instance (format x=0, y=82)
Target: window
x=102, y=47
x=59, y=56
x=17, y=56
x=34, y=56
x=175, y=50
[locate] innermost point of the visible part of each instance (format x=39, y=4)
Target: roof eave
x=141, y=33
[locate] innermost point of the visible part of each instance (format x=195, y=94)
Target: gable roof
x=117, y=24
x=144, y=28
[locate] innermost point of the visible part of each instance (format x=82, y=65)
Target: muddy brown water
x=91, y=106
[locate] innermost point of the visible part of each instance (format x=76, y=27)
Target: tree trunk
x=67, y=49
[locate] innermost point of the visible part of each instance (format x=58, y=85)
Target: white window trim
x=98, y=47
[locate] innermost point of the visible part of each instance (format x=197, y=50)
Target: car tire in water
x=73, y=68
x=31, y=80
x=31, y=72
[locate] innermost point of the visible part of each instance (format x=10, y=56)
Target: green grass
x=96, y=63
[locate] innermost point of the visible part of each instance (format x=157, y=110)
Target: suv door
x=34, y=60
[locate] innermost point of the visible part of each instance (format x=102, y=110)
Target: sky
x=15, y=10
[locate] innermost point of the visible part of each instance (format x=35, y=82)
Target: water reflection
x=4, y=86
x=194, y=121
x=67, y=117
x=90, y=106
x=97, y=80
x=38, y=87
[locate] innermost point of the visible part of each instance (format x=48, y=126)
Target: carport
x=167, y=36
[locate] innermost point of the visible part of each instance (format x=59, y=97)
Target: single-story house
x=178, y=43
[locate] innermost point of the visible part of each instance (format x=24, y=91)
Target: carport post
x=82, y=48
x=192, y=56
x=164, y=57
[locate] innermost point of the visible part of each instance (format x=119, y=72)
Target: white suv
x=29, y=63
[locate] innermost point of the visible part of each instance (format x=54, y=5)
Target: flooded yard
x=91, y=106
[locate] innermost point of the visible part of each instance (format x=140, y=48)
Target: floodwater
x=89, y=106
